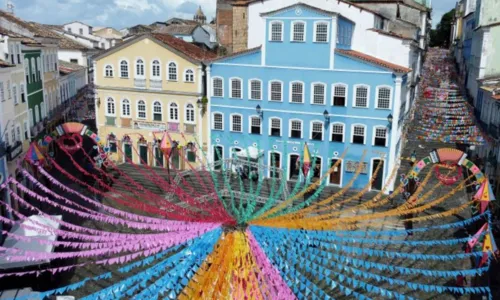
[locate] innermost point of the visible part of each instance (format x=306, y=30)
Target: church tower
x=200, y=16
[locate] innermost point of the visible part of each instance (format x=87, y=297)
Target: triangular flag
x=307, y=159
x=480, y=191
x=473, y=241
x=165, y=143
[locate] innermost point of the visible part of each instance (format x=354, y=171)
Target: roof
x=70, y=44
x=179, y=46
x=24, y=39
x=67, y=67
x=236, y=54
x=4, y=64
x=30, y=26
x=185, y=21
x=391, y=34
x=178, y=29
x=374, y=60
x=77, y=22
x=410, y=3
x=55, y=27
x=321, y=11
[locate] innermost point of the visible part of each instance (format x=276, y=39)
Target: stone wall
x=224, y=29
x=240, y=28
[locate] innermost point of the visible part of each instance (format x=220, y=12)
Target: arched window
x=217, y=121
x=275, y=91
x=383, y=97
x=33, y=70
x=255, y=125
x=317, y=131
x=298, y=31
x=321, y=32
x=318, y=93
x=255, y=87
x=141, y=109
x=189, y=113
x=139, y=68
x=125, y=108
x=361, y=93
x=358, y=134
x=174, y=112
x=380, y=136
x=275, y=127
x=156, y=69
x=297, y=92
x=189, y=75
x=157, y=111
x=276, y=34
x=217, y=87
x=42, y=110
x=339, y=94
x=337, y=132
x=236, y=123
x=38, y=68
x=108, y=72
x=124, y=69
x=37, y=114
x=27, y=70
x=110, y=106
x=172, y=71
x=236, y=88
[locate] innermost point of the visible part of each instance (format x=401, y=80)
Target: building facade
x=72, y=80
x=339, y=100
x=145, y=86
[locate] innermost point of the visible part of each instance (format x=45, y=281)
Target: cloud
x=138, y=6
x=187, y=7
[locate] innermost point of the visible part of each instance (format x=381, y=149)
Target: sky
x=126, y=13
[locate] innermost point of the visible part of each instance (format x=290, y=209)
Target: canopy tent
x=250, y=152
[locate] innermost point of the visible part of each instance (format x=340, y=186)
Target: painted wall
x=34, y=88
x=68, y=55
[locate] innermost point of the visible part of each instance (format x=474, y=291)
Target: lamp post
x=199, y=104
x=390, y=119
x=326, y=114
x=259, y=111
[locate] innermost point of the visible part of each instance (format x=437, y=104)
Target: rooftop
x=24, y=39
x=374, y=60
x=392, y=34
x=33, y=27
x=66, y=68
x=4, y=64
x=178, y=29
x=65, y=42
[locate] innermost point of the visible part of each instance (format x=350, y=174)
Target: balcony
x=173, y=127
x=155, y=84
x=189, y=128
x=140, y=83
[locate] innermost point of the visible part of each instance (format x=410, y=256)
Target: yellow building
x=146, y=86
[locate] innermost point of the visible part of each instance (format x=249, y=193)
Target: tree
x=440, y=37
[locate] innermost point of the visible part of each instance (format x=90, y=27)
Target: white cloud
x=137, y=5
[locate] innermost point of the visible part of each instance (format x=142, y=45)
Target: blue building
x=306, y=84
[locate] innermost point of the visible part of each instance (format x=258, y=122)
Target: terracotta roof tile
x=251, y=50
x=67, y=67
x=178, y=29
x=4, y=64
x=64, y=42
x=24, y=39
x=374, y=60
x=188, y=49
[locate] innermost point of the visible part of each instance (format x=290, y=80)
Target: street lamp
x=389, y=119
x=259, y=111
x=199, y=104
x=326, y=114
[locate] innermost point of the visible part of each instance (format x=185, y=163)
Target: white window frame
x=271, y=31
x=153, y=111
x=327, y=31
x=213, y=120
x=113, y=114
x=136, y=75
x=27, y=69
x=145, y=110
x=250, y=123
x=184, y=75
x=176, y=71
x=231, y=122
x=355, y=88
x=377, y=96
x=15, y=94
x=250, y=88
x=186, y=109
x=213, y=89
x=365, y=133
x=301, y=128
x=386, y=135
x=322, y=129
x=346, y=86
x=105, y=71
x=324, y=92
x=37, y=114
x=303, y=91
x=269, y=160
x=128, y=68
x=269, y=90
x=152, y=68
x=292, y=31
x=178, y=112
x=343, y=132
x=231, y=87
x=271, y=125
x=122, y=105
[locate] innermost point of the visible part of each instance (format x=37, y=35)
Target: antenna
x=10, y=7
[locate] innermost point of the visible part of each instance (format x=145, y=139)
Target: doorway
x=294, y=164
x=275, y=164
x=175, y=159
x=218, y=155
x=379, y=180
x=336, y=174
x=159, y=157
x=143, y=153
x=127, y=148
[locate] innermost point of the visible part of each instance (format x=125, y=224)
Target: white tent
x=251, y=152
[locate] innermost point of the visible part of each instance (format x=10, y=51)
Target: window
x=42, y=110
x=275, y=127
x=339, y=95
x=73, y=60
x=110, y=106
x=317, y=131
x=123, y=69
x=156, y=68
x=80, y=31
x=9, y=93
x=255, y=125
x=344, y=33
x=189, y=113
x=298, y=31
x=11, y=51
x=361, y=99
x=276, y=34
x=37, y=114
x=139, y=68
x=218, y=121
x=174, y=112
x=27, y=70
x=358, y=134
x=23, y=97
x=321, y=32
x=38, y=68
x=172, y=71
x=296, y=129
x=189, y=75
x=112, y=147
x=33, y=70
x=236, y=88
x=125, y=108
x=218, y=87
x=141, y=109
x=384, y=98
x=297, y=92
x=25, y=128
x=319, y=93
x=18, y=46
x=255, y=89
x=157, y=111
x=338, y=133
x=380, y=138
x=109, y=71
x=236, y=125
x=2, y=92
x=13, y=135
x=191, y=156
x=14, y=93
x=276, y=91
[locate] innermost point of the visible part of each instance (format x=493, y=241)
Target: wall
x=240, y=28
x=201, y=36
x=493, y=51
x=224, y=16
x=75, y=28
x=68, y=55
x=34, y=88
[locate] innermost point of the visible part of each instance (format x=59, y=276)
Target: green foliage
x=440, y=37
